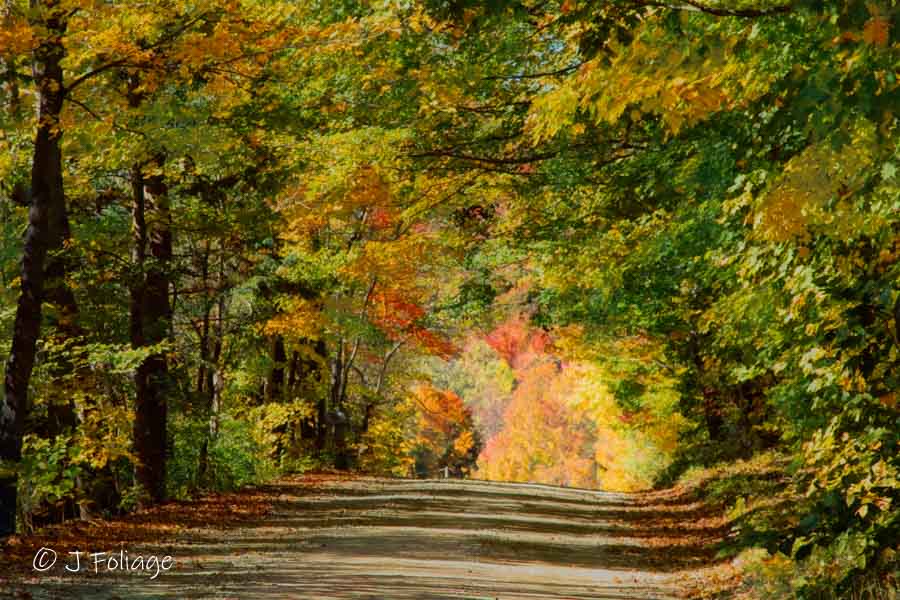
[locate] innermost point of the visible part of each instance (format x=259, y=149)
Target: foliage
x=387, y=447
x=614, y=241
x=445, y=435
x=235, y=456
x=49, y=473
x=583, y=422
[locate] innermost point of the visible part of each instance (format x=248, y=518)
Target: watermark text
x=78, y=561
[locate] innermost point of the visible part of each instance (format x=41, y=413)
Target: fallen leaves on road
x=156, y=526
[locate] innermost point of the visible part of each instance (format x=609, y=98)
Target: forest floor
x=338, y=537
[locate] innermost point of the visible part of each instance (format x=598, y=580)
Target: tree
x=47, y=229
x=445, y=434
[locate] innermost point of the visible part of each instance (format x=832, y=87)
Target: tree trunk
x=10, y=79
x=203, y=371
x=150, y=318
x=337, y=376
x=47, y=197
x=293, y=370
x=367, y=417
x=321, y=423
x=275, y=382
x=215, y=385
x=710, y=398
x=60, y=299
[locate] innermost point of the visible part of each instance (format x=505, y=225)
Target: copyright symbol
x=44, y=559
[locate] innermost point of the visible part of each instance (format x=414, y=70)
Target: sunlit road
x=398, y=539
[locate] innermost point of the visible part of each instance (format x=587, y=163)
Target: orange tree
x=445, y=435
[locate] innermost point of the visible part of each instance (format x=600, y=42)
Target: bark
x=214, y=387
x=60, y=299
x=321, y=424
x=150, y=325
x=293, y=370
x=10, y=79
x=47, y=197
x=218, y=384
x=337, y=376
x=367, y=417
x=341, y=366
x=275, y=381
x=203, y=371
x=711, y=402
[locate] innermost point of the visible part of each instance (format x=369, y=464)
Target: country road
x=373, y=539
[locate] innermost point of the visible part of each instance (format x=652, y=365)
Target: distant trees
x=446, y=437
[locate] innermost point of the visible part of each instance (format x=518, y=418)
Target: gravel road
x=367, y=538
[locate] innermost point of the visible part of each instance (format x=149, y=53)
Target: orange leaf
x=876, y=31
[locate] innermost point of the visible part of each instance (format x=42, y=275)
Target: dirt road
x=365, y=538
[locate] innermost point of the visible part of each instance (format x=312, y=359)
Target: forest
x=613, y=245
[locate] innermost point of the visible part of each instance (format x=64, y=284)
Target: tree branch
x=723, y=11
x=163, y=40
x=556, y=73
x=382, y=373
x=521, y=160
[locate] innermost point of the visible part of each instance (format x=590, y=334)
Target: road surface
x=367, y=538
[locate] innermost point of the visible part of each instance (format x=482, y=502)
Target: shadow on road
x=339, y=538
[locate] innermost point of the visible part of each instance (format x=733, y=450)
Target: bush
x=234, y=458
x=237, y=458
x=385, y=448
x=796, y=539
x=47, y=476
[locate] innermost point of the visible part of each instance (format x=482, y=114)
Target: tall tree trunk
x=66, y=334
x=203, y=371
x=337, y=375
x=150, y=318
x=321, y=351
x=275, y=382
x=339, y=421
x=215, y=382
x=710, y=398
x=47, y=196
x=60, y=299
x=293, y=371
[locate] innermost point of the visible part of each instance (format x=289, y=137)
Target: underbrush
x=227, y=461
x=91, y=474
x=780, y=546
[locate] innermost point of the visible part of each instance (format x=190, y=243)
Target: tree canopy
x=589, y=244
